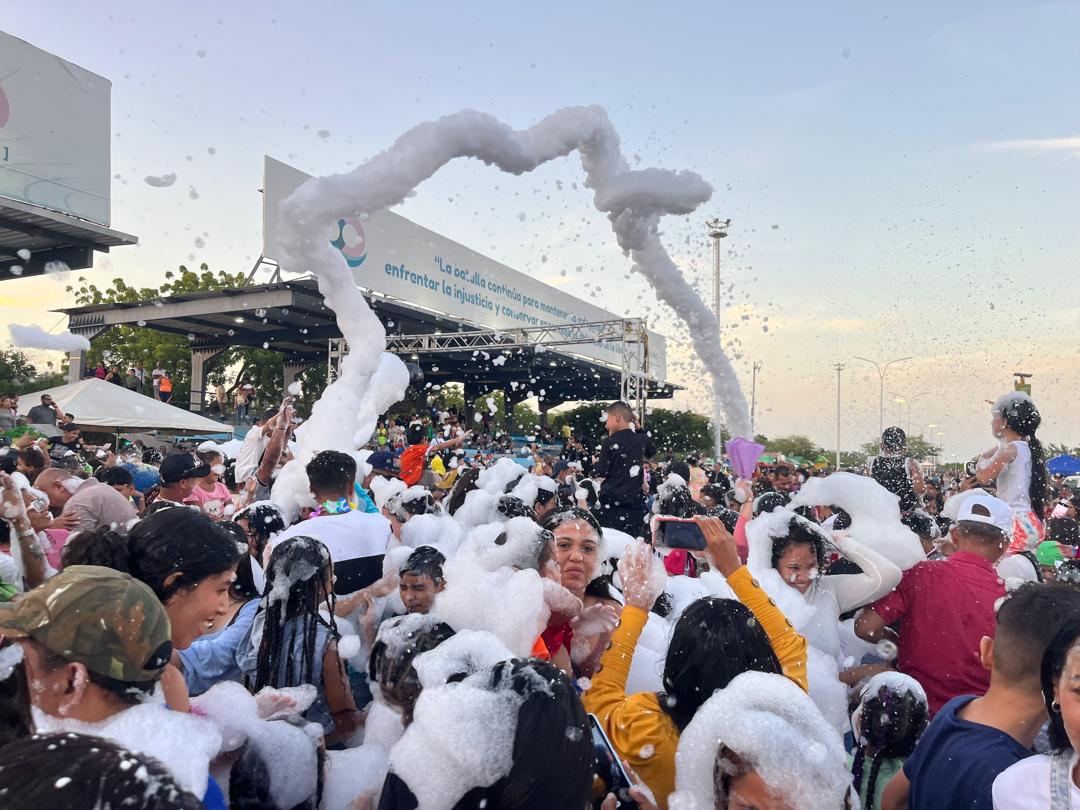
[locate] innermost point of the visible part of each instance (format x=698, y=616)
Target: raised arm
x=879, y=575
x=35, y=568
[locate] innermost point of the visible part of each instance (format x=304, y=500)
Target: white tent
x=113, y=408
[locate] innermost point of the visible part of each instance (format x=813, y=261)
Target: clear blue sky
x=918, y=162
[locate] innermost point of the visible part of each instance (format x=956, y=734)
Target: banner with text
x=398, y=258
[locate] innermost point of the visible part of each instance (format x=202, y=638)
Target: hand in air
x=643, y=578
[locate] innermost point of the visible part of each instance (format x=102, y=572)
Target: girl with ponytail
x=1018, y=466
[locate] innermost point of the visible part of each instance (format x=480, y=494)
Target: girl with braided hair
x=1017, y=466
x=891, y=716
x=294, y=637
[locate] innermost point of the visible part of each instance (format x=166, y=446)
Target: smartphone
x=683, y=533
x=608, y=768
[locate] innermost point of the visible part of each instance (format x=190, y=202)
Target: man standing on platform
x=621, y=465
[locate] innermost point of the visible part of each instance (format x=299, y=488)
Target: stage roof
x=290, y=317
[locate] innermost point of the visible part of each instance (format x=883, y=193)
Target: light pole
x=907, y=401
x=839, y=367
x=881, y=370
x=753, y=395
x=717, y=231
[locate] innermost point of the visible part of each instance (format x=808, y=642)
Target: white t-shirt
x=1026, y=785
x=357, y=542
x=247, y=460
x=1014, y=481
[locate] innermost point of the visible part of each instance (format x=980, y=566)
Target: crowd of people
x=449, y=622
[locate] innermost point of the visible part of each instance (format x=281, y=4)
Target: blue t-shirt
x=956, y=761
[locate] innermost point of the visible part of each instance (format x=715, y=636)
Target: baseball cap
x=175, y=467
x=107, y=620
x=560, y=465
x=981, y=508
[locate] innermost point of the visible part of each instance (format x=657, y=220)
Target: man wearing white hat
x=945, y=607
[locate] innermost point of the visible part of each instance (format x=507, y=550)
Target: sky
x=901, y=178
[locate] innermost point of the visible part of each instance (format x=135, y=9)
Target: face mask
x=218, y=469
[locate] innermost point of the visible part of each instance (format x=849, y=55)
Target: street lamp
x=717, y=231
x=881, y=370
x=907, y=401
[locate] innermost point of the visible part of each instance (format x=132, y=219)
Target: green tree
x=679, y=432
x=1055, y=449
x=18, y=374
x=800, y=446
x=124, y=346
x=917, y=447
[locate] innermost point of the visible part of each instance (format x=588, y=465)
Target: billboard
x=54, y=132
x=398, y=258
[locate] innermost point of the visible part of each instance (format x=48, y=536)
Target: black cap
x=178, y=466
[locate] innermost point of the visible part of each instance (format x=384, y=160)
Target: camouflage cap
x=96, y=616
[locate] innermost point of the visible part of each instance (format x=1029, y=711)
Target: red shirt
x=944, y=608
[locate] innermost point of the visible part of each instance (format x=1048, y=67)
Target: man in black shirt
x=622, y=459
x=69, y=441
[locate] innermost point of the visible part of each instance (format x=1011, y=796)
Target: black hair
x=892, y=722
x=553, y=754
x=305, y=564
x=249, y=780
x=1052, y=665
x=621, y=410
x=571, y=515
x=242, y=587
x=34, y=458
x=714, y=641
x=425, y=561
x=714, y=491
x=893, y=440
x=920, y=523
x=116, y=476
x=416, y=433
x=8, y=463
x=80, y=772
x=179, y=540
x=1021, y=415
x=679, y=468
x=1068, y=573
x=331, y=470
x=768, y=501
x=986, y=534
x=101, y=546
x=152, y=457
x=1063, y=530
x=15, y=701
x=391, y=665
x=799, y=533
x=465, y=483
x=1027, y=622
x=264, y=520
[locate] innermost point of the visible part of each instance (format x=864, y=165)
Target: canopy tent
x=1064, y=465
x=98, y=404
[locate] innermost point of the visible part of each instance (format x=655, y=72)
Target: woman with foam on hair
x=1017, y=466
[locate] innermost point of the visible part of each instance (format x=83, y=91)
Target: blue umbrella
x=1064, y=465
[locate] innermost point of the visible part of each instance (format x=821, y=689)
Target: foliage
x=1053, y=449
x=18, y=374
x=678, y=433
x=124, y=346
x=917, y=447
x=800, y=446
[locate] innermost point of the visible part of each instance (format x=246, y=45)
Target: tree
x=1053, y=449
x=680, y=433
x=917, y=447
x=18, y=374
x=124, y=346
x=800, y=446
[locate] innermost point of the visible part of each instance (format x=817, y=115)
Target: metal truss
x=630, y=333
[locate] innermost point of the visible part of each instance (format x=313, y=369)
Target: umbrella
x=1064, y=465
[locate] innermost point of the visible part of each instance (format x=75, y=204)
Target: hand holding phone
x=608, y=767
x=678, y=533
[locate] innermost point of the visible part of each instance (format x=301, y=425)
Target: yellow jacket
x=642, y=732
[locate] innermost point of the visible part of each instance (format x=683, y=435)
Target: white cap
x=987, y=509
